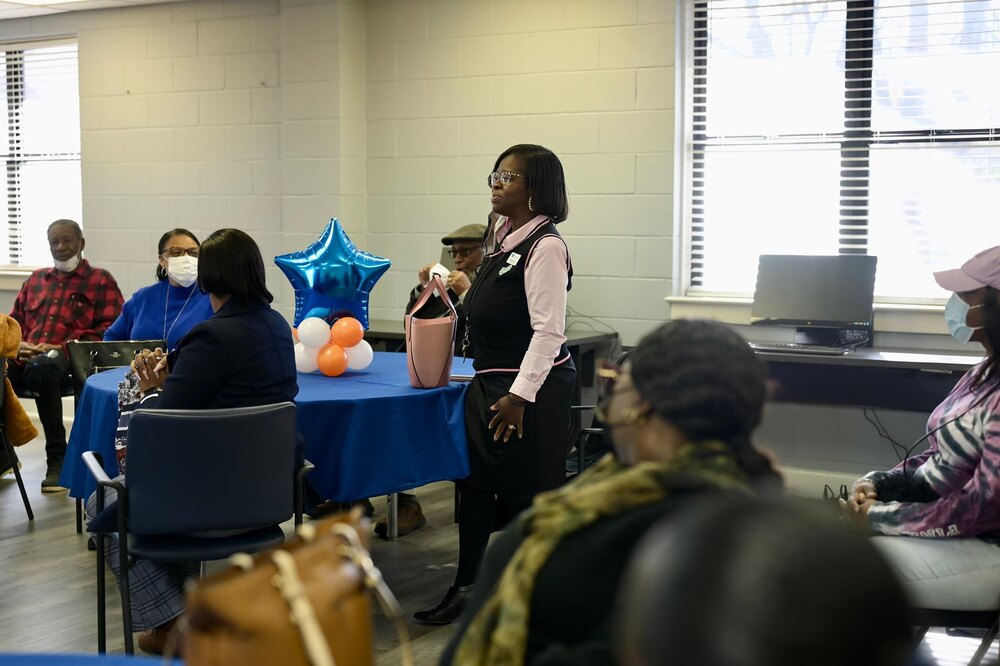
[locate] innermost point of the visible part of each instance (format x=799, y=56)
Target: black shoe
x=50, y=484
x=410, y=517
x=330, y=507
x=448, y=610
x=368, y=506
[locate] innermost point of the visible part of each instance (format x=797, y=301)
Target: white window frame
x=917, y=325
x=13, y=274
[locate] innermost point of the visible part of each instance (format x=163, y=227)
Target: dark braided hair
x=704, y=379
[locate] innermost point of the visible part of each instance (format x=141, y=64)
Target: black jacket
x=242, y=356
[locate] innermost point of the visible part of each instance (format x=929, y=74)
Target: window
x=853, y=127
x=42, y=151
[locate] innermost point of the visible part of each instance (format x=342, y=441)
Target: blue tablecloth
x=368, y=433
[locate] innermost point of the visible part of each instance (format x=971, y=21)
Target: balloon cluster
x=331, y=349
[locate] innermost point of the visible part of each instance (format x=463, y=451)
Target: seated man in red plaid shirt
x=71, y=301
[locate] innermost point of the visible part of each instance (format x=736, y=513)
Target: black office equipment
x=795, y=347
x=828, y=299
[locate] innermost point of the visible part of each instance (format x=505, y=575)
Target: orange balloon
x=332, y=360
x=346, y=332
x=295, y=334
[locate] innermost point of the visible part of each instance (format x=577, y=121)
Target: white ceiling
x=10, y=9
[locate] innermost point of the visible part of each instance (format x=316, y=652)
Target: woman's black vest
x=497, y=306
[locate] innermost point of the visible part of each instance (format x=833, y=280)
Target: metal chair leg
x=984, y=647
x=392, y=516
x=79, y=516
x=101, y=601
x=123, y=585
x=17, y=474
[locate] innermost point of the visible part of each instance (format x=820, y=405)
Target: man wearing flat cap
x=466, y=247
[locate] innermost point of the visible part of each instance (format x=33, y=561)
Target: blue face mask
x=955, y=313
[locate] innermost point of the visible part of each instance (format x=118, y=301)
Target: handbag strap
x=303, y=614
x=357, y=553
x=453, y=315
x=435, y=285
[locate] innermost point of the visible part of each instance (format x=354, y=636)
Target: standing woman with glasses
x=170, y=308
x=517, y=410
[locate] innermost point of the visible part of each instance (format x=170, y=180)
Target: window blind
x=42, y=152
x=852, y=127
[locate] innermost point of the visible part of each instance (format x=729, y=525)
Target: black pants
x=46, y=382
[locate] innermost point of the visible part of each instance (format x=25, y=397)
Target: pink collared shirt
x=546, y=276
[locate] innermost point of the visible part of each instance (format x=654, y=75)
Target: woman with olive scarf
x=680, y=418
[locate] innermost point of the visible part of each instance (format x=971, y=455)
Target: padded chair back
x=89, y=357
x=210, y=469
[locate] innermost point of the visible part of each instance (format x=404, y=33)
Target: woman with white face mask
x=937, y=515
x=170, y=308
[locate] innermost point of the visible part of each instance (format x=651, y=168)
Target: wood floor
x=48, y=602
x=47, y=575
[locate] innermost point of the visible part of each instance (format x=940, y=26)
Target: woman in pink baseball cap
x=936, y=516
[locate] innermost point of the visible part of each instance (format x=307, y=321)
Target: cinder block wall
x=213, y=113
x=453, y=83
x=274, y=115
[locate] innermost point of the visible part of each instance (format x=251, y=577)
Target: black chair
x=591, y=438
x=8, y=449
x=989, y=620
x=192, y=471
x=88, y=357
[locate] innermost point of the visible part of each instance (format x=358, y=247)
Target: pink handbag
x=430, y=343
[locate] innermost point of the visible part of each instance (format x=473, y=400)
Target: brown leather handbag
x=430, y=343
x=307, y=602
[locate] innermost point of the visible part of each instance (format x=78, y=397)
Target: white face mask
x=955, y=313
x=183, y=270
x=67, y=266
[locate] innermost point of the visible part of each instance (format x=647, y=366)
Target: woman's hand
x=862, y=490
x=509, y=417
x=458, y=282
x=858, y=511
x=151, y=369
x=424, y=275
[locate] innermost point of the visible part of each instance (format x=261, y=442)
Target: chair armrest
x=95, y=464
x=300, y=475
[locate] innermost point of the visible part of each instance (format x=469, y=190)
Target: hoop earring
x=530, y=207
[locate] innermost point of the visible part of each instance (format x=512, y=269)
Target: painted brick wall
x=213, y=113
x=453, y=83
x=274, y=115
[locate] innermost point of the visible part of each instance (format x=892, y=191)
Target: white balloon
x=359, y=356
x=305, y=358
x=314, y=332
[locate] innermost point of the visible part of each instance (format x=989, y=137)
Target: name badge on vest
x=511, y=262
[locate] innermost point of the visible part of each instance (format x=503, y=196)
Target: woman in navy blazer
x=242, y=356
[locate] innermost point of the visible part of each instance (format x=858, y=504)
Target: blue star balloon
x=332, y=278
